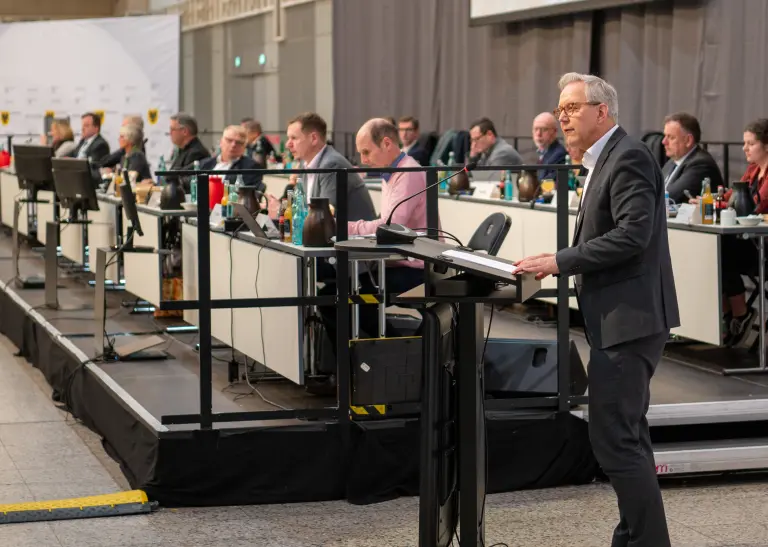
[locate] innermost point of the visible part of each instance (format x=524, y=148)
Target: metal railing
x=206, y=418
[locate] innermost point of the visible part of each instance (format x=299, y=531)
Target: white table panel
x=45, y=213
x=71, y=239
x=695, y=261
x=279, y=276
x=102, y=232
x=142, y=276
x=9, y=187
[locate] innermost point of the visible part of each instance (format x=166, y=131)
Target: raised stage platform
x=294, y=460
x=247, y=462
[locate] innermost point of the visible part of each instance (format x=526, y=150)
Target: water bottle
x=670, y=205
x=234, y=195
x=161, y=167
x=299, y=213
x=193, y=183
x=508, y=188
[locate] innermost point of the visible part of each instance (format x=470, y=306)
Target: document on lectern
x=482, y=261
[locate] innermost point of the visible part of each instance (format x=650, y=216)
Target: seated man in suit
x=307, y=141
x=487, y=148
x=377, y=143
x=550, y=150
x=189, y=148
x=689, y=163
x=408, y=129
x=233, y=156
x=256, y=140
x=92, y=145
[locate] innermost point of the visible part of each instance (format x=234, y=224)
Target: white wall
x=119, y=66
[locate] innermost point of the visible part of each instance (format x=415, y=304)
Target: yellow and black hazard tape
x=369, y=410
x=366, y=298
x=122, y=503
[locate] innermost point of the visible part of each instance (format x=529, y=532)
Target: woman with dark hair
x=739, y=256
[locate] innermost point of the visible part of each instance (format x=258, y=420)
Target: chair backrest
x=653, y=140
x=491, y=234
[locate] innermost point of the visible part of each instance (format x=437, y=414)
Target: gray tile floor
x=45, y=455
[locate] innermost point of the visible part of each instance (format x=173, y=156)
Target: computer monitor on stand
x=134, y=224
x=33, y=171
x=75, y=190
x=136, y=349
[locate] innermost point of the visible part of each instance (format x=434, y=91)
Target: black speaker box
x=528, y=368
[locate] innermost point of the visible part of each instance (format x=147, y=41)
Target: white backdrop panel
x=119, y=66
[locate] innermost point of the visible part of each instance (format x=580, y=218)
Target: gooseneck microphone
x=394, y=234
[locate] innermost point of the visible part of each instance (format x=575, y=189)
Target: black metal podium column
x=471, y=433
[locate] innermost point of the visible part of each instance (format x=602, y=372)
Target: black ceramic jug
x=319, y=226
x=741, y=200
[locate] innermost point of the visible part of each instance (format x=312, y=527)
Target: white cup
x=728, y=217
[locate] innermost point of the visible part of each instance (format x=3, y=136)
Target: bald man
x=550, y=150
x=379, y=146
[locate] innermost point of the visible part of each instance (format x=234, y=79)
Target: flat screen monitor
x=75, y=185
x=33, y=166
x=129, y=206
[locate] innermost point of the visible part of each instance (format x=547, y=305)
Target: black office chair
x=488, y=237
x=491, y=234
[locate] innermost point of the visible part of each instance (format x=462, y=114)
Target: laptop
x=253, y=225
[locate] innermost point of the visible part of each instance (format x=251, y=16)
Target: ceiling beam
x=56, y=9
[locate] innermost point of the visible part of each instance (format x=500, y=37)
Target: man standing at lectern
x=626, y=293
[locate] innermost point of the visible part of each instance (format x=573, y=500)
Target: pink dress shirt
x=412, y=213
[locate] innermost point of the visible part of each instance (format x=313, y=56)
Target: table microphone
x=394, y=234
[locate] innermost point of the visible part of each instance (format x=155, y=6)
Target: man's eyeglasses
x=572, y=108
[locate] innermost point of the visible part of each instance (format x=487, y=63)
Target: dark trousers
x=399, y=280
x=737, y=257
x=619, y=395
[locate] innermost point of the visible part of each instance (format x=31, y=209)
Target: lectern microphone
x=393, y=234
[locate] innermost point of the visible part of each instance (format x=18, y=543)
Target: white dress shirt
x=83, y=152
x=678, y=163
x=590, y=159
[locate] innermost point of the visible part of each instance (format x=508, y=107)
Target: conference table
x=288, y=270
x=695, y=251
x=245, y=266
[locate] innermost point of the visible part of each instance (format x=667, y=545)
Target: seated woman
x=62, y=138
x=739, y=256
x=131, y=140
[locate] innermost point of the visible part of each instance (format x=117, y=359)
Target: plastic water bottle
x=161, y=167
x=234, y=195
x=508, y=188
x=193, y=183
x=299, y=213
x=670, y=205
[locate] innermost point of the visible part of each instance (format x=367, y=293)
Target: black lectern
x=481, y=279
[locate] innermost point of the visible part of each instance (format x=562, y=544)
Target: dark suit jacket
x=137, y=161
x=696, y=167
x=266, y=149
x=420, y=154
x=555, y=154
x=187, y=156
x=97, y=150
x=359, y=204
x=620, y=253
x=243, y=163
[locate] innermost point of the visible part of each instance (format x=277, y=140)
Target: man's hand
x=542, y=265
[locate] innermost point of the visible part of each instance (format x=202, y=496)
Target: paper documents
x=486, y=261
